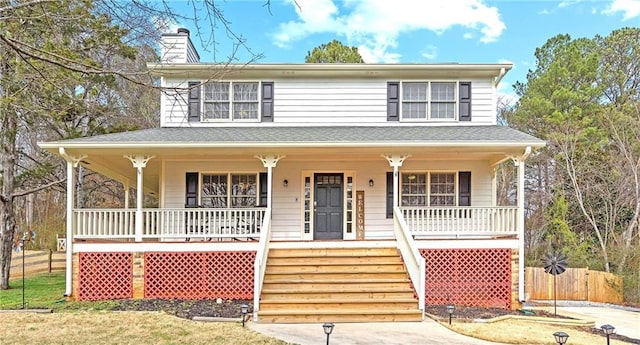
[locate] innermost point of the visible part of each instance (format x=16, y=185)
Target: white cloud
x=375, y=25
x=629, y=8
x=377, y=55
x=567, y=3
x=430, y=52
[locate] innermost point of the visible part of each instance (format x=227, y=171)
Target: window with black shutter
x=263, y=189
x=267, y=101
x=464, y=188
x=464, y=101
x=194, y=102
x=191, y=190
x=393, y=101
x=390, y=194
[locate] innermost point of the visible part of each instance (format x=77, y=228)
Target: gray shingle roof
x=307, y=135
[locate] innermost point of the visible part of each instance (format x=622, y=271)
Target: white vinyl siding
x=329, y=101
x=342, y=102
x=288, y=202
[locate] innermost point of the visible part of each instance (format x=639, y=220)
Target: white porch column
x=519, y=162
x=396, y=162
x=494, y=187
x=139, y=162
x=127, y=188
x=72, y=162
x=269, y=162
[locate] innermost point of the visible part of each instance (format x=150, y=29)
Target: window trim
x=427, y=118
x=230, y=101
x=229, y=195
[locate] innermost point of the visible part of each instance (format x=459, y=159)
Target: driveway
x=388, y=333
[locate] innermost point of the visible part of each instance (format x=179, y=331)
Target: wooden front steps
x=336, y=285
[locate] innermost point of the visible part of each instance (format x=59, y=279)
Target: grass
x=523, y=332
x=101, y=327
x=89, y=322
x=41, y=291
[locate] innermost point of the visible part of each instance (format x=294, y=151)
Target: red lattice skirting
x=199, y=275
x=105, y=276
x=471, y=277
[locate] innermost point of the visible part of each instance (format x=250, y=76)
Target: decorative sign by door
x=360, y=215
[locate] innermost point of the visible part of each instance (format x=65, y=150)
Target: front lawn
x=41, y=291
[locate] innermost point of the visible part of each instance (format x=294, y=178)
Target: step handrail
x=260, y=264
x=416, y=264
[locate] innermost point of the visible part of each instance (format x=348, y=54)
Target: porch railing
x=169, y=223
x=461, y=221
x=415, y=263
x=104, y=223
x=260, y=265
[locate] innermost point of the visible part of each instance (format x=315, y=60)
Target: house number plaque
x=360, y=215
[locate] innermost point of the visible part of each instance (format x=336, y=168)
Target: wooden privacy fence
x=575, y=284
x=36, y=262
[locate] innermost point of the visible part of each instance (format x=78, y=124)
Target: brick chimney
x=178, y=48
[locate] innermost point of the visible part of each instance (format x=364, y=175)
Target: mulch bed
x=471, y=313
x=186, y=308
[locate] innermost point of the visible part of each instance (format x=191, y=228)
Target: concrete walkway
x=626, y=320
x=388, y=333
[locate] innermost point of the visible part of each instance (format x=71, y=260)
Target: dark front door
x=328, y=207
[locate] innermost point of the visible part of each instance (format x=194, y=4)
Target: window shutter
x=464, y=188
x=464, y=100
x=263, y=189
x=191, y=190
x=267, y=101
x=393, y=101
x=390, y=194
x=194, y=102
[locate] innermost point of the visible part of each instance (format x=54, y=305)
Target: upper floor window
x=429, y=100
x=231, y=100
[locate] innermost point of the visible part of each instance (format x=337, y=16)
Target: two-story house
x=323, y=192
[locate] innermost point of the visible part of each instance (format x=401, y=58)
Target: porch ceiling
x=106, y=153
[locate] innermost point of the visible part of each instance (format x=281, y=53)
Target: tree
x=71, y=69
x=333, y=52
x=582, y=97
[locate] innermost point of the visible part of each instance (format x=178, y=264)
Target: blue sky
x=411, y=31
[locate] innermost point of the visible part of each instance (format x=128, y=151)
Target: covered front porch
x=241, y=198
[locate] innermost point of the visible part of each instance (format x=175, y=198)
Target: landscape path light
x=450, y=309
x=608, y=331
x=328, y=328
x=244, y=309
x=561, y=337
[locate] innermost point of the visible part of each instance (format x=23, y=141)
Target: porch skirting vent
x=105, y=276
x=471, y=277
x=184, y=275
x=199, y=275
